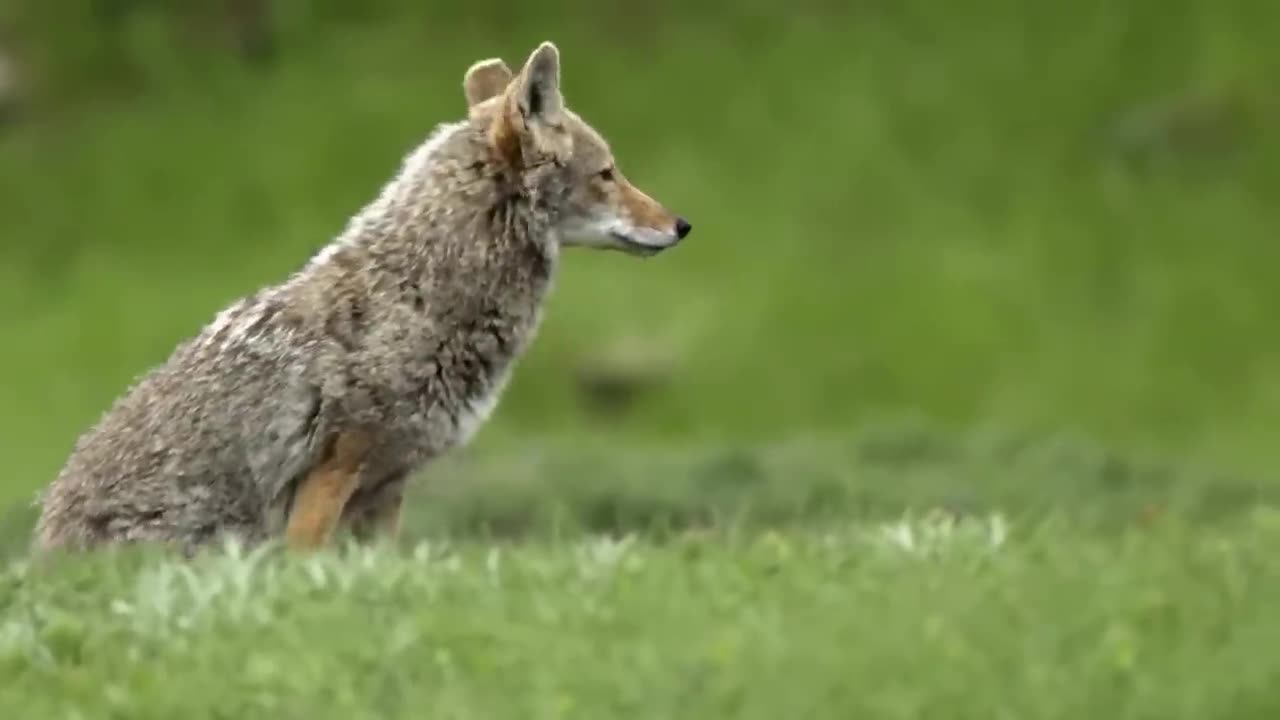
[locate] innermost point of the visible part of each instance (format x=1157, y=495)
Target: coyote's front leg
x=374, y=513
x=322, y=494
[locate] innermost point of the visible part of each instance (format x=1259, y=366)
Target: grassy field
x=921, y=618
x=898, y=573
x=959, y=402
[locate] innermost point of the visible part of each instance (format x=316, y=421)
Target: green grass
x=901, y=572
x=922, y=618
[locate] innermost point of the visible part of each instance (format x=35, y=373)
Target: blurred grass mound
x=878, y=475
x=885, y=472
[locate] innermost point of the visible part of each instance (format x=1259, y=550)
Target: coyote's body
x=308, y=404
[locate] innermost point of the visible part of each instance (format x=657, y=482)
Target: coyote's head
x=533, y=131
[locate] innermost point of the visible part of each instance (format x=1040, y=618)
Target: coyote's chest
x=466, y=374
x=475, y=410
x=443, y=350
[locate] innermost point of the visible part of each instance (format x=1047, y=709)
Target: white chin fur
x=615, y=234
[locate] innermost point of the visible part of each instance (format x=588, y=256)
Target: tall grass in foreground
x=924, y=618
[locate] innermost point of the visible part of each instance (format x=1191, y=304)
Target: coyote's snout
x=304, y=407
x=616, y=214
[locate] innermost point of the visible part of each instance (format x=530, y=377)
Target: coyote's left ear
x=484, y=80
x=530, y=127
x=538, y=89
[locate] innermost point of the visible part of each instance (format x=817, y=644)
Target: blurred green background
x=1047, y=216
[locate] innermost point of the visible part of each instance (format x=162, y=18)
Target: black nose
x=682, y=227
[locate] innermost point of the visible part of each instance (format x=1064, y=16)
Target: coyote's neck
x=448, y=243
x=450, y=209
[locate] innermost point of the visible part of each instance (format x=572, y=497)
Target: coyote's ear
x=485, y=79
x=532, y=114
x=538, y=90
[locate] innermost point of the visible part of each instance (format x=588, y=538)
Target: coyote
x=302, y=409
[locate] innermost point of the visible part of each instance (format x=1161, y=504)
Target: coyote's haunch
x=305, y=406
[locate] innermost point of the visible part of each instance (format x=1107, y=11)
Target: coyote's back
x=305, y=406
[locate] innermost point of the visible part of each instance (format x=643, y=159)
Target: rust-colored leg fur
x=322, y=494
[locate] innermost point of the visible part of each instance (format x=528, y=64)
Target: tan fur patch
x=505, y=139
x=324, y=492
x=644, y=210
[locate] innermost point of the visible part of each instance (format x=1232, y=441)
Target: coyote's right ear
x=484, y=80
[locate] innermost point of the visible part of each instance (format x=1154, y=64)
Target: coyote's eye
x=606, y=174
